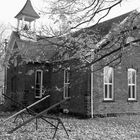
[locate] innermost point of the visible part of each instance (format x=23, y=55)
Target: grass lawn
x=108, y=128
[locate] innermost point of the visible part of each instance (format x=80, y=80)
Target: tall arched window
x=131, y=84
x=108, y=83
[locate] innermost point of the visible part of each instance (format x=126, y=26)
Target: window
x=38, y=83
x=1, y=95
x=131, y=84
x=14, y=84
x=66, y=82
x=108, y=83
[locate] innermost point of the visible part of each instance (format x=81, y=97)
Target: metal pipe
x=91, y=91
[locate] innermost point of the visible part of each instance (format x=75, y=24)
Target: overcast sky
x=9, y=8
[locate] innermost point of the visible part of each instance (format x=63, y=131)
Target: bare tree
x=121, y=39
x=4, y=35
x=87, y=48
x=75, y=14
x=85, y=45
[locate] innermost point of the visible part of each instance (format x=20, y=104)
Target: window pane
x=133, y=77
x=129, y=91
x=110, y=78
x=66, y=90
x=105, y=91
x=129, y=77
x=38, y=77
x=110, y=91
x=37, y=92
x=66, y=76
x=38, y=86
x=106, y=79
x=108, y=74
x=133, y=91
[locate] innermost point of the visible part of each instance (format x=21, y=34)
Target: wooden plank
x=21, y=111
x=38, y=115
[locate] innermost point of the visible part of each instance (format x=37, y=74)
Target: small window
x=2, y=100
x=108, y=83
x=66, y=82
x=38, y=83
x=131, y=84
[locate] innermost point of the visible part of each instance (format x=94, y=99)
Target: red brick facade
x=21, y=83
x=120, y=104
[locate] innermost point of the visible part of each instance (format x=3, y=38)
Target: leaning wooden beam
x=38, y=115
x=21, y=111
x=31, y=112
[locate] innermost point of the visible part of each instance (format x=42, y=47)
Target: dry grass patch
x=109, y=128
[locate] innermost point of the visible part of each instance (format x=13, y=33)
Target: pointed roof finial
x=27, y=11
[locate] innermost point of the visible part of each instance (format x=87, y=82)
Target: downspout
x=5, y=69
x=91, y=91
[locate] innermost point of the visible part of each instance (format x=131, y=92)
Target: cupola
x=26, y=18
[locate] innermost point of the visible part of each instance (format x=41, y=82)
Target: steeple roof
x=27, y=11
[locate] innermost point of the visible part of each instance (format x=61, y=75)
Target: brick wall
x=25, y=83
x=120, y=104
x=79, y=92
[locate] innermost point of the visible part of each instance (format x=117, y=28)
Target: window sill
x=38, y=97
x=132, y=100
x=66, y=98
x=108, y=100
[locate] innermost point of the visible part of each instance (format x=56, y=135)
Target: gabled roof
x=30, y=51
x=44, y=50
x=103, y=30
x=110, y=40
x=104, y=27
x=125, y=19
x=37, y=51
x=28, y=11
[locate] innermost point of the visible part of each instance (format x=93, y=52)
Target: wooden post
x=38, y=115
x=26, y=108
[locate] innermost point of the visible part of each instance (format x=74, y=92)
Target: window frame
x=41, y=83
x=131, y=84
x=108, y=85
x=66, y=83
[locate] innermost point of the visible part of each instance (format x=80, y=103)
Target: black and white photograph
x=70, y=70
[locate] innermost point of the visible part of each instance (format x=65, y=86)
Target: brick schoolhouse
x=110, y=90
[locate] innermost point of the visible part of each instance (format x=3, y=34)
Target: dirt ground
x=126, y=127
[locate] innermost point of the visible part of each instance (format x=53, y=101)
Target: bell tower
x=26, y=18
